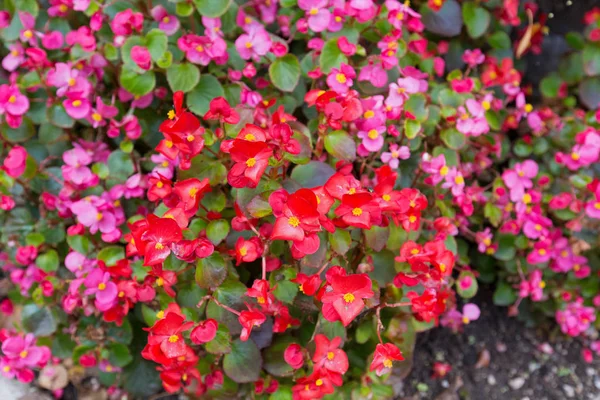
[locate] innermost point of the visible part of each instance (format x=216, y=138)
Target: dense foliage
x=270, y=199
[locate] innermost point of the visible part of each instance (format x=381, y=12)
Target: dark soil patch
x=518, y=369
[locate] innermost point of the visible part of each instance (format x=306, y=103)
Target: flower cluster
x=248, y=190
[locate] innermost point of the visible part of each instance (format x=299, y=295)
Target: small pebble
x=569, y=390
x=516, y=383
x=445, y=384
x=597, y=382
x=491, y=380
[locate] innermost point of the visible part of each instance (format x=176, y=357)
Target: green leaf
x=313, y=174
x=340, y=145
x=274, y=362
x=184, y=77
x=244, y=363
x=217, y=230
x=199, y=98
x=211, y=271
x=138, y=85
x=340, y=241
x=119, y=354
x=411, y=128
x=221, y=344
x=331, y=56
x=417, y=106
x=184, y=9
x=506, y=248
x=493, y=214
x=212, y=8
x=377, y=237
x=446, y=22
x=589, y=93
x=24, y=132
x=63, y=346
x=120, y=166
x=126, y=53
x=34, y=239
x=59, y=117
x=285, y=72
x=48, y=261
x=111, y=254
x=453, y=138
x=203, y=167
x=477, y=19
x=469, y=290
x=591, y=59
x=550, y=85
x=166, y=60
x=504, y=295
x=283, y=392
x=39, y=321
x=499, y=40
x=156, y=41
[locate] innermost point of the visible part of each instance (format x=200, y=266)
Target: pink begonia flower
x=202, y=49
x=212, y=27
x=373, y=139
x=4, y=19
x=78, y=264
x=470, y=313
x=336, y=22
x=28, y=34
x=439, y=66
x=13, y=105
x=533, y=287
x=14, y=58
x=25, y=255
x=474, y=124
x=341, y=80
x=462, y=85
x=520, y=178
x=96, y=21
x=141, y=56
x=134, y=186
x=21, y=352
x=139, y=102
x=75, y=169
x=374, y=74
x=436, y=167
x=6, y=203
x=484, y=240
x=400, y=91
x=98, y=283
x=455, y=181
x=94, y=218
x=77, y=107
x=253, y=44
x=592, y=208
x=99, y=151
x=15, y=162
x=575, y=318
x=100, y=112
x=68, y=79
x=167, y=23
x=164, y=166
x=541, y=253
x=268, y=11
x=53, y=40
x=127, y=22
x=250, y=97
x=84, y=37
x=81, y=5
x=584, y=153
x=473, y=57
x=396, y=153
x=537, y=226
x=318, y=15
